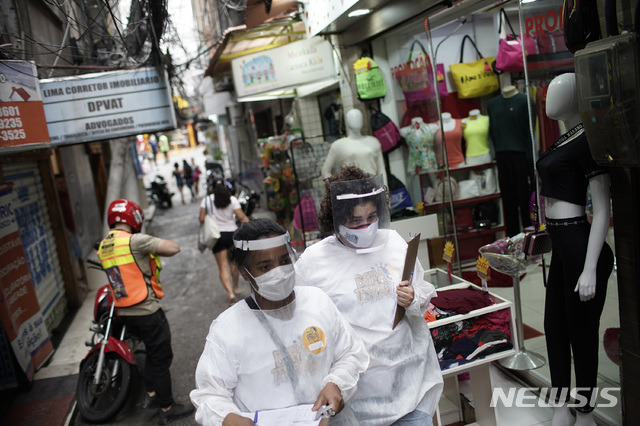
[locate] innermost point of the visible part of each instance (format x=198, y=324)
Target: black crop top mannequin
x=566, y=167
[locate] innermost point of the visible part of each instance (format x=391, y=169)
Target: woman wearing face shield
x=279, y=347
x=360, y=268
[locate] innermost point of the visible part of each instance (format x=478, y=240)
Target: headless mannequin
x=509, y=132
x=419, y=138
x=562, y=105
x=363, y=151
x=476, y=135
x=455, y=156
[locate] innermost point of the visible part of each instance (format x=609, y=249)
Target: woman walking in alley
x=196, y=175
x=178, y=174
x=187, y=171
x=225, y=208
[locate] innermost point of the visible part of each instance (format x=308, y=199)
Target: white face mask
x=360, y=238
x=276, y=284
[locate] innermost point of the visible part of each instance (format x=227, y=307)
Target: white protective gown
x=403, y=373
x=242, y=370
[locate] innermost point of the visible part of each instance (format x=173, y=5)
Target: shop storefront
x=457, y=164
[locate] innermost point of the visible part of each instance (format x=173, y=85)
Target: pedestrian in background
x=153, y=143
x=131, y=260
x=187, y=171
x=225, y=208
x=177, y=173
x=197, y=171
x=163, y=144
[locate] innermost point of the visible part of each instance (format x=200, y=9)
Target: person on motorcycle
x=131, y=260
x=282, y=346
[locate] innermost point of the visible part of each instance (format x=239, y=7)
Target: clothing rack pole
x=295, y=172
x=427, y=30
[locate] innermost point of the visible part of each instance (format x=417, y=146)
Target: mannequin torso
x=363, y=151
x=475, y=129
x=453, y=137
x=419, y=138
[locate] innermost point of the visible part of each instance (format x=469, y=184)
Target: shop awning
x=239, y=41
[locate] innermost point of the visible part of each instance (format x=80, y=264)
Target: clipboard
x=409, y=265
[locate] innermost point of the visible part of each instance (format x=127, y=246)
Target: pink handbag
x=305, y=215
x=442, y=81
x=509, y=56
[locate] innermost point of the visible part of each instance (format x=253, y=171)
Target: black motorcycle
x=159, y=194
x=214, y=175
x=248, y=198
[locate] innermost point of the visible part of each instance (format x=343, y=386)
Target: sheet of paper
x=409, y=265
x=299, y=415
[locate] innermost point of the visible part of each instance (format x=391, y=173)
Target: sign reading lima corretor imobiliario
x=107, y=105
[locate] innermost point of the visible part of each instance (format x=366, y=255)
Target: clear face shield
x=361, y=213
x=268, y=266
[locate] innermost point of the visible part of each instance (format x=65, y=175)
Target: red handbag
x=509, y=56
x=305, y=215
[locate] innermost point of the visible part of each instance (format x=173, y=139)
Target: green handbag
x=369, y=80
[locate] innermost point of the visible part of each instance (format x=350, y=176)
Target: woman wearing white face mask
x=360, y=268
x=279, y=347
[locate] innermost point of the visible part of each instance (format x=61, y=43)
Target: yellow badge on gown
x=314, y=339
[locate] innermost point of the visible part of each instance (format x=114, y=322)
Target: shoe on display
x=176, y=412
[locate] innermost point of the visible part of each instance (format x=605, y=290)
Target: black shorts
x=225, y=242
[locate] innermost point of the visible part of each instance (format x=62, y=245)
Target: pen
x=255, y=418
x=411, y=278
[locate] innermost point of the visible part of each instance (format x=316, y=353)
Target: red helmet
x=125, y=211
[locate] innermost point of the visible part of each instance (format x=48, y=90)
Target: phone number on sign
x=12, y=135
x=10, y=123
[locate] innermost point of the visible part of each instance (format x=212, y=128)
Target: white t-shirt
x=225, y=217
x=242, y=369
x=403, y=373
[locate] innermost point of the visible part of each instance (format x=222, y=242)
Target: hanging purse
x=416, y=78
x=442, y=81
x=305, y=215
x=509, y=57
x=474, y=79
x=538, y=242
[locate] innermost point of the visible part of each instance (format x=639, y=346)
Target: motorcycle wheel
x=98, y=403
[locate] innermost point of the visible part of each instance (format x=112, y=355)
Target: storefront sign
x=19, y=308
x=107, y=105
x=291, y=65
x=22, y=119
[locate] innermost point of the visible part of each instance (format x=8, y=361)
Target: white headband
x=352, y=196
x=262, y=244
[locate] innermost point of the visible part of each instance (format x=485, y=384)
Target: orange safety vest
x=127, y=280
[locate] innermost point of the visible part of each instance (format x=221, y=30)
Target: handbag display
x=385, y=131
x=416, y=81
x=369, y=81
x=305, y=215
x=536, y=243
x=485, y=179
x=442, y=81
x=509, y=56
x=444, y=193
x=474, y=79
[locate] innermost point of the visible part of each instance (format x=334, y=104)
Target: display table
x=479, y=368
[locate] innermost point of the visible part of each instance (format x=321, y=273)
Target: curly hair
x=346, y=173
x=249, y=231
